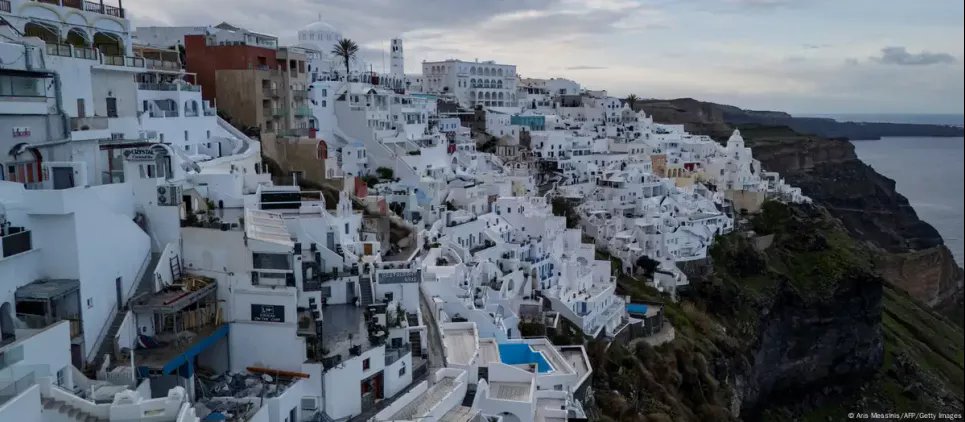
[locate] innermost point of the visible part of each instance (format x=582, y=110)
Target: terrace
x=90, y=6
x=45, y=302
x=186, y=320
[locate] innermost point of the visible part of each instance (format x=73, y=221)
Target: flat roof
x=48, y=289
x=267, y=226
x=460, y=344
x=421, y=405
x=187, y=291
x=515, y=391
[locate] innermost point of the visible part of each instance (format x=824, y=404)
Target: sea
x=928, y=171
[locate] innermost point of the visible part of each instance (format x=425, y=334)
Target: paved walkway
x=436, y=358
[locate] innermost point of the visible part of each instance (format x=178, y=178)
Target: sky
x=799, y=56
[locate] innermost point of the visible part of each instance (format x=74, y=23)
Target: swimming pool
x=522, y=354
x=637, y=308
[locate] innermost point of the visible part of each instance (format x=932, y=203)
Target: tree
x=346, y=49
x=632, y=100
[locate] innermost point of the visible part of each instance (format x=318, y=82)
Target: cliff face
x=805, y=329
x=913, y=255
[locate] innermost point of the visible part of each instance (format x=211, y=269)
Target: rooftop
x=515, y=391
x=426, y=401
x=460, y=344
x=48, y=289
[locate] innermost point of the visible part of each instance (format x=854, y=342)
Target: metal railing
x=15, y=243
x=126, y=61
x=162, y=64
x=5, y=6
x=67, y=50
x=269, y=92
x=303, y=111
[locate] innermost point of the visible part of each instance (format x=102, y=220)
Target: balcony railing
x=126, y=61
x=270, y=92
x=299, y=94
x=211, y=111
x=164, y=113
x=5, y=6
x=88, y=123
x=274, y=111
x=300, y=131
x=88, y=6
x=15, y=240
x=303, y=111
x=162, y=64
x=151, y=86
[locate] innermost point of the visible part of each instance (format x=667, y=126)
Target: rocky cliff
x=913, y=255
x=700, y=115
x=804, y=329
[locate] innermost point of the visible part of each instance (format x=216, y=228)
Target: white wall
x=24, y=407
x=393, y=382
x=343, y=395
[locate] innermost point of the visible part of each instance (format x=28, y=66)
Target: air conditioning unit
x=169, y=195
x=310, y=403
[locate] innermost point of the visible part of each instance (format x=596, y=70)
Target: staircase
x=108, y=345
x=365, y=286
x=67, y=412
x=415, y=341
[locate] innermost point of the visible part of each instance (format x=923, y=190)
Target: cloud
x=815, y=46
x=585, y=68
x=901, y=56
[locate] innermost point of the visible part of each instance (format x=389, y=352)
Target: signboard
x=399, y=276
x=20, y=132
x=267, y=313
x=140, y=154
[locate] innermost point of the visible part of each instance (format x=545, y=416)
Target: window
x=402, y=370
x=271, y=261
x=366, y=365
x=346, y=228
x=90, y=303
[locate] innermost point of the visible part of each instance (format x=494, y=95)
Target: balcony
x=88, y=123
x=299, y=94
x=303, y=111
x=88, y=6
x=14, y=240
x=164, y=113
x=162, y=65
x=64, y=50
x=269, y=92
x=125, y=61
x=274, y=111
x=149, y=86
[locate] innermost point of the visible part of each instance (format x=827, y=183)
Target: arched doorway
x=7, y=329
x=49, y=34
x=108, y=43
x=77, y=38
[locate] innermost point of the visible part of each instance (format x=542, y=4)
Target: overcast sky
x=801, y=56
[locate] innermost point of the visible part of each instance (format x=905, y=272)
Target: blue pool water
x=637, y=308
x=522, y=354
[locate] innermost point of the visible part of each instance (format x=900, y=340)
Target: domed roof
x=320, y=26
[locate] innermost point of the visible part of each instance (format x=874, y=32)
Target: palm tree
x=632, y=100
x=346, y=49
